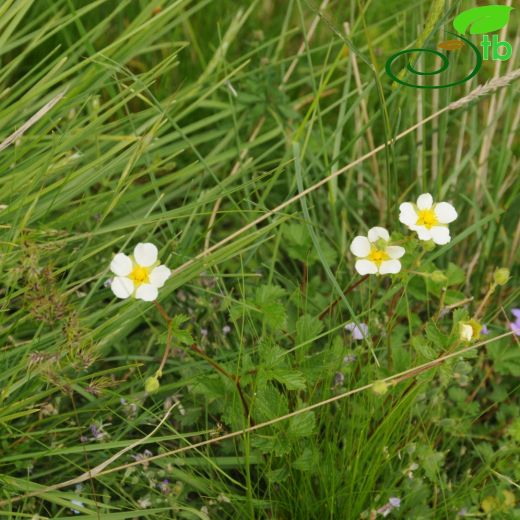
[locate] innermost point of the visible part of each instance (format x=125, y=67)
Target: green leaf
x=270, y=403
x=431, y=461
x=180, y=334
x=307, y=461
x=423, y=349
x=438, y=338
x=482, y=20
x=291, y=379
x=455, y=275
x=273, y=445
x=506, y=357
x=271, y=354
x=268, y=303
x=301, y=425
x=299, y=245
x=307, y=328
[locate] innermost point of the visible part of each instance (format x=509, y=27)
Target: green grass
x=181, y=125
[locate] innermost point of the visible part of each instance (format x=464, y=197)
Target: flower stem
x=483, y=303
x=168, y=346
x=350, y=288
x=197, y=350
x=231, y=377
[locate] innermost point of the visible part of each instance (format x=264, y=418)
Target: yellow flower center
x=140, y=275
x=377, y=256
x=427, y=218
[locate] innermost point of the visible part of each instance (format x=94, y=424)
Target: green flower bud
x=501, y=275
x=152, y=385
x=438, y=277
x=380, y=387
x=428, y=245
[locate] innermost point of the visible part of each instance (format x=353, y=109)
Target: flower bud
x=151, y=385
x=380, y=387
x=438, y=277
x=501, y=275
x=428, y=245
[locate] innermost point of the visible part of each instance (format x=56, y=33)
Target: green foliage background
x=175, y=109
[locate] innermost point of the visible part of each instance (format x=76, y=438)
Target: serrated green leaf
x=269, y=403
x=301, y=425
x=307, y=328
x=271, y=354
x=268, y=303
x=291, y=379
x=455, y=275
x=423, y=349
x=505, y=356
x=437, y=337
x=307, y=461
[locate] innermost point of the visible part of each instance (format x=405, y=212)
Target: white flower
x=429, y=220
x=139, y=275
x=465, y=332
x=375, y=253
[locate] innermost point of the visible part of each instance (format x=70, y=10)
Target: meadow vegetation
x=251, y=141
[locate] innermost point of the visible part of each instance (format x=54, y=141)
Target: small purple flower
x=164, y=487
x=358, y=333
x=349, y=359
x=393, y=503
x=515, y=325
x=484, y=330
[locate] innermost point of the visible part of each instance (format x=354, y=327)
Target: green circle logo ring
x=445, y=64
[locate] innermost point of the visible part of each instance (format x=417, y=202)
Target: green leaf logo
x=481, y=20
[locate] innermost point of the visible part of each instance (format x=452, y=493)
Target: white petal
x=366, y=267
x=425, y=201
x=408, y=215
x=466, y=332
x=440, y=235
x=360, y=246
x=445, y=212
x=423, y=232
x=145, y=254
x=390, y=267
x=122, y=287
x=376, y=233
x=159, y=275
x=395, y=251
x=121, y=265
x=146, y=292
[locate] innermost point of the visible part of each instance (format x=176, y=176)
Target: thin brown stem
x=161, y=310
x=168, y=347
x=484, y=302
x=349, y=289
x=203, y=355
x=231, y=377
